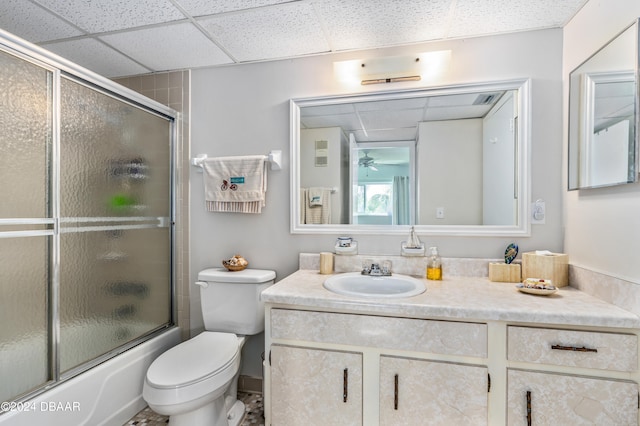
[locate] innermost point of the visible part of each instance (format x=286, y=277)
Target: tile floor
x=253, y=413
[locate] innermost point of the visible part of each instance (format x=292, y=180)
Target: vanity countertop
x=463, y=298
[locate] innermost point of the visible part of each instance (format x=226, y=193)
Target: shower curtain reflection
x=401, y=200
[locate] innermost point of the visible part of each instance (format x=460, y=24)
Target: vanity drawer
x=588, y=349
x=440, y=337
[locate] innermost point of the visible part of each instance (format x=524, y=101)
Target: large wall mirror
x=448, y=160
x=603, y=115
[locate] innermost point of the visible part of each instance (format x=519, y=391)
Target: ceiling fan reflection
x=368, y=162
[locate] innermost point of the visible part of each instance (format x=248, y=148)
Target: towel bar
x=274, y=157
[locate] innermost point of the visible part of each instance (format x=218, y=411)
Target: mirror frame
x=523, y=226
x=580, y=132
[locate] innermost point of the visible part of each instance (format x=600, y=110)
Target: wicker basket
x=231, y=267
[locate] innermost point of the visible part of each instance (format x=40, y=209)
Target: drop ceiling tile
x=334, y=109
x=373, y=23
x=387, y=135
x=273, y=32
x=33, y=23
x=111, y=15
x=207, y=7
x=347, y=122
x=168, y=47
x=97, y=57
x=462, y=99
x=392, y=118
x=456, y=113
x=477, y=17
x=393, y=104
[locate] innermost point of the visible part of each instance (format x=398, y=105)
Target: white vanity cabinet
x=315, y=387
x=597, y=394
x=348, y=369
x=417, y=391
x=538, y=398
x=465, y=352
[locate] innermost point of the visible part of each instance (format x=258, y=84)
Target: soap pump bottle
x=434, y=265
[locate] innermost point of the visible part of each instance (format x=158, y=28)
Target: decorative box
x=505, y=272
x=548, y=266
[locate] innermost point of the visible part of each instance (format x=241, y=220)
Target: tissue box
x=554, y=267
x=505, y=273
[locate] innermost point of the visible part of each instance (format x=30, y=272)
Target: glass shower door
x=26, y=224
x=85, y=223
x=115, y=209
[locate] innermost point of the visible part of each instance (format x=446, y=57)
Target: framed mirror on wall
x=449, y=160
x=603, y=115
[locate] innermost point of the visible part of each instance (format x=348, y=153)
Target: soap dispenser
x=434, y=265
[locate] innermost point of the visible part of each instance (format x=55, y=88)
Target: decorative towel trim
x=235, y=206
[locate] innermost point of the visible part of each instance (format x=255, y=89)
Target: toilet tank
x=230, y=301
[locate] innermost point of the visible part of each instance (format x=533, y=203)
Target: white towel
x=320, y=214
x=315, y=196
x=235, y=184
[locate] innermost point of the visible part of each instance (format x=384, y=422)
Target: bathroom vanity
x=466, y=351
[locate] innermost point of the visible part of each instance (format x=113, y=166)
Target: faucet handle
x=386, y=267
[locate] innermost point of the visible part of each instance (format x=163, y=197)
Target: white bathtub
x=108, y=394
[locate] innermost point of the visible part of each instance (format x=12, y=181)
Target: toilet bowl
x=195, y=383
x=190, y=381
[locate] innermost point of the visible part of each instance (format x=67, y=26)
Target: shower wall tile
x=173, y=89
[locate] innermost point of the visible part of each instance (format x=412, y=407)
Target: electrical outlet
x=440, y=213
x=538, y=212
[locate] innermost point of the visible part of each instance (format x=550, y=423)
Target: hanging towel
x=235, y=184
x=319, y=214
x=303, y=205
x=315, y=196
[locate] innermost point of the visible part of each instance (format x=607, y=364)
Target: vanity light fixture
x=393, y=69
x=390, y=80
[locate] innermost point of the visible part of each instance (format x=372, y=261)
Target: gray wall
x=603, y=225
x=244, y=109
x=441, y=181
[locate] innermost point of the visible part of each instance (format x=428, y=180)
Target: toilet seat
x=195, y=360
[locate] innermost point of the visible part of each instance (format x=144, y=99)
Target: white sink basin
x=356, y=284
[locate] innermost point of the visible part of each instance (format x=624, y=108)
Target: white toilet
x=196, y=382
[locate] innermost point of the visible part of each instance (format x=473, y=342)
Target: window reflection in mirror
x=449, y=160
x=603, y=117
x=383, y=181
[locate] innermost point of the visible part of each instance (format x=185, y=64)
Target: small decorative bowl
x=231, y=267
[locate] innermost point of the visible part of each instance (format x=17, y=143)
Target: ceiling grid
x=122, y=37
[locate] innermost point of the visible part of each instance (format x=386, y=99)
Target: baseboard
x=250, y=384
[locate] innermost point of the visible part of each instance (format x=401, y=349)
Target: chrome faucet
x=375, y=270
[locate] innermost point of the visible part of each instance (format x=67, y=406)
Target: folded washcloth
x=315, y=196
x=235, y=184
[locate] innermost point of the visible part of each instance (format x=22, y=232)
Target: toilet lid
x=193, y=360
x=246, y=276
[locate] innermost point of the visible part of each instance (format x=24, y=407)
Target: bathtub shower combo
x=86, y=239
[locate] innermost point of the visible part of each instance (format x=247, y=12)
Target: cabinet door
x=315, y=387
x=418, y=392
x=555, y=399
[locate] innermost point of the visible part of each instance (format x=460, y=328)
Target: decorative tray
x=537, y=286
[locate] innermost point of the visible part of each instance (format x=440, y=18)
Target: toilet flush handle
x=202, y=284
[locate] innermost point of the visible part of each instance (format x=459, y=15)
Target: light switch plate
x=538, y=213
